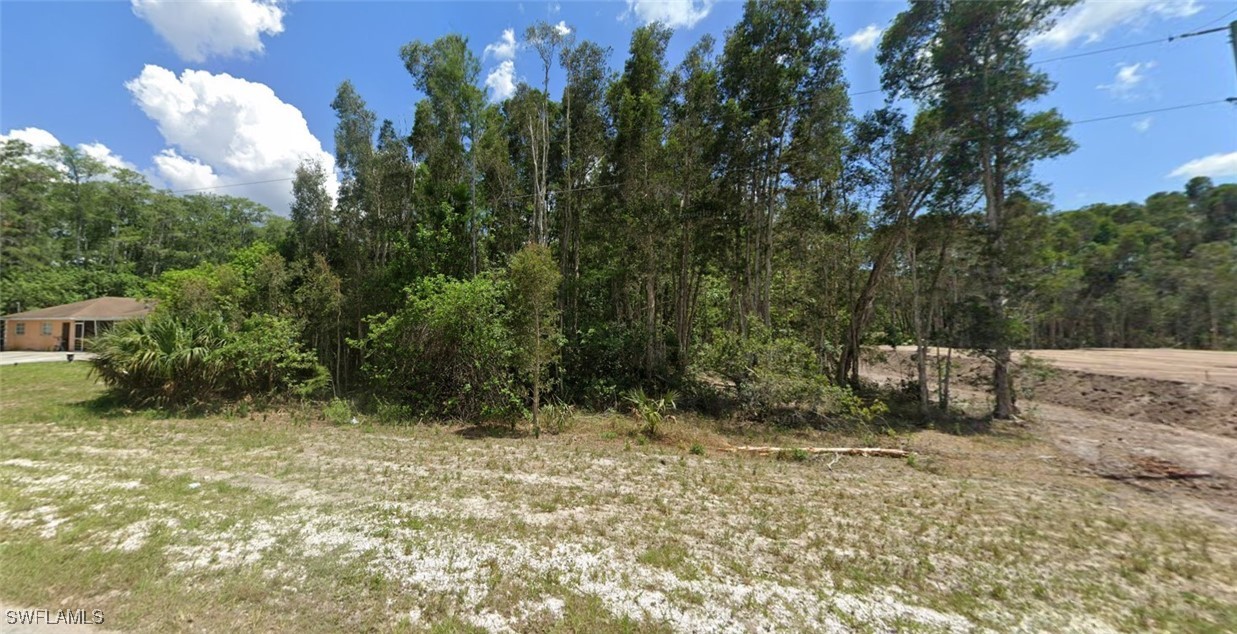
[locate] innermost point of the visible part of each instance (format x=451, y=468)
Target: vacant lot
x=281, y=522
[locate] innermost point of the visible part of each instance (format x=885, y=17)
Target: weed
x=697, y=449
x=338, y=412
x=651, y=411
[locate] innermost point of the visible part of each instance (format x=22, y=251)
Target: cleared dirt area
x=282, y=523
x=1161, y=364
x=1126, y=416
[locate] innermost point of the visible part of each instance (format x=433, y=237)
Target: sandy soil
x=1163, y=364
x=1130, y=415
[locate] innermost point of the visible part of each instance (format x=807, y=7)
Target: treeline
x=72, y=228
x=729, y=217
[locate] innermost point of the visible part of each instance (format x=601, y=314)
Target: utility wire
x=610, y=185
x=1110, y=49
x=1203, y=26
x=199, y=189
x=1142, y=112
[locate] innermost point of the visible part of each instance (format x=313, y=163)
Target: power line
x=1110, y=49
x=611, y=185
x=1142, y=112
x=1203, y=26
x=200, y=189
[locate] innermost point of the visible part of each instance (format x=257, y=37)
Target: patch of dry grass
x=218, y=523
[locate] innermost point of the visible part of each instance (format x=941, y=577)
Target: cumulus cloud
x=38, y=138
x=1093, y=19
x=1143, y=124
x=185, y=174
x=41, y=140
x=203, y=28
x=1128, y=78
x=227, y=131
x=504, y=48
x=1214, y=166
x=562, y=27
x=864, y=39
x=501, y=81
x=104, y=155
x=673, y=13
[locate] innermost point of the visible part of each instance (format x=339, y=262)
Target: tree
x=314, y=226
x=969, y=60
x=534, y=278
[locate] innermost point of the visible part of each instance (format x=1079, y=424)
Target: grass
x=278, y=518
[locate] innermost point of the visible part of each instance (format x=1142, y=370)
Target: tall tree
x=969, y=60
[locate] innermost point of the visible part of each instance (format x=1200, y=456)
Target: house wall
x=34, y=339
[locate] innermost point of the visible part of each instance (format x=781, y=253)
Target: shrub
x=163, y=360
x=265, y=357
x=772, y=374
x=651, y=411
x=170, y=361
x=446, y=352
x=337, y=412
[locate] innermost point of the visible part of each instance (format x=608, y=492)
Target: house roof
x=100, y=308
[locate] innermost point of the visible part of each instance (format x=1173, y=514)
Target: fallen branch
x=848, y=451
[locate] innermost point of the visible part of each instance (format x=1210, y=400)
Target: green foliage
x=559, y=416
x=532, y=290
x=163, y=360
x=265, y=356
x=446, y=352
x=651, y=411
x=29, y=287
x=338, y=412
x=167, y=360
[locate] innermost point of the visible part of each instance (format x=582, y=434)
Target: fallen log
x=847, y=451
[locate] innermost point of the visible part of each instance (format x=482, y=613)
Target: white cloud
x=562, y=27
x=864, y=39
x=1216, y=165
x=504, y=48
x=1093, y=19
x=38, y=138
x=41, y=140
x=1129, y=77
x=1143, y=124
x=227, y=131
x=501, y=81
x=672, y=13
x=199, y=29
x=183, y=173
x=554, y=8
x=104, y=155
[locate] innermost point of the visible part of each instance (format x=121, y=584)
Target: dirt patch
x=1173, y=439
x=1143, y=390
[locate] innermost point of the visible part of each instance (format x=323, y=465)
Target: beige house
x=67, y=327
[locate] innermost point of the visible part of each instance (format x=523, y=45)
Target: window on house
x=21, y=328
x=47, y=327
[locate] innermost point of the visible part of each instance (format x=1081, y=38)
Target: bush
x=171, y=361
x=265, y=357
x=161, y=360
x=446, y=352
x=338, y=412
x=773, y=374
x=650, y=411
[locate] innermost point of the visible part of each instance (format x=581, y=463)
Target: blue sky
x=207, y=95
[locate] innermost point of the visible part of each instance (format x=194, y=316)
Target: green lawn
x=276, y=520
